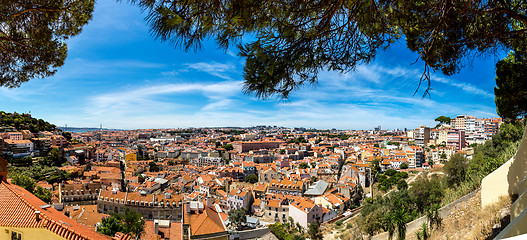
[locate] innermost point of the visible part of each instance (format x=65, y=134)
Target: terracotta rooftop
x=18, y=207
x=206, y=222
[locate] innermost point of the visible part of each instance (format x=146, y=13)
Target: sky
x=118, y=75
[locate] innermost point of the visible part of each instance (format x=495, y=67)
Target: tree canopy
x=443, y=119
x=128, y=222
x=286, y=43
x=24, y=121
x=33, y=35
x=511, y=86
x=238, y=217
x=456, y=168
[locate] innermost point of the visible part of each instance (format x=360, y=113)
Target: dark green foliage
x=298, y=140
x=390, y=172
x=153, y=167
x=232, y=132
x=400, y=219
x=26, y=161
x=491, y=155
x=402, y=174
x=278, y=231
x=132, y=221
x=404, y=165
x=128, y=222
x=426, y=192
x=286, y=43
x=286, y=231
x=238, y=217
x=393, y=143
x=401, y=184
x=251, y=178
x=110, y=226
x=294, y=237
x=67, y=135
x=303, y=165
x=43, y=194
x=24, y=181
x=433, y=217
x=339, y=136
x=23, y=121
x=314, y=179
x=33, y=36
x=455, y=169
x=40, y=172
x=443, y=119
x=390, y=178
x=511, y=87
x=218, y=144
x=54, y=158
x=30, y=185
x=228, y=147
x=423, y=233
x=375, y=166
x=388, y=213
x=313, y=230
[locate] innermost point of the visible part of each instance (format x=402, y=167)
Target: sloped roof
x=207, y=222
x=318, y=188
x=18, y=207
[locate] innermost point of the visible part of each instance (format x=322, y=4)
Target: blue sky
x=117, y=75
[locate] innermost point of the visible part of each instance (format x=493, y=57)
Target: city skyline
x=117, y=75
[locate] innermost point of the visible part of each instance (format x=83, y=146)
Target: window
x=16, y=235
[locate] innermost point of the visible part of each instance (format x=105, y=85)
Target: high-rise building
x=456, y=139
x=422, y=136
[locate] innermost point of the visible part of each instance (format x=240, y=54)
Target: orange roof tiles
x=18, y=207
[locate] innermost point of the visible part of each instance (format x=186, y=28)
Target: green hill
x=24, y=121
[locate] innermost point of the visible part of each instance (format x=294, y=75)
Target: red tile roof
x=18, y=207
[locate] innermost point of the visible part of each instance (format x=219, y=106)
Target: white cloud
x=463, y=86
x=129, y=101
x=213, y=68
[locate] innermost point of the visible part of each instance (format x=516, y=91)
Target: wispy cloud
x=127, y=101
x=469, y=88
x=220, y=70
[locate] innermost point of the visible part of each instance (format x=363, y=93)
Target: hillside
x=469, y=221
x=24, y=121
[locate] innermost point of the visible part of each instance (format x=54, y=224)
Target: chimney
x=3, y=170
x=37, y=215
x=156, y=226
x=209, y=203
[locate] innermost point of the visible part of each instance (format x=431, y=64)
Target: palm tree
x=433, y=217
x=388, y=224
x=423, y=233
x=400, y=218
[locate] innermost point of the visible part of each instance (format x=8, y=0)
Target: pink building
x=456, y=139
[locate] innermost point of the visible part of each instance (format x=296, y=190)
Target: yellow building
x=131, y=156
